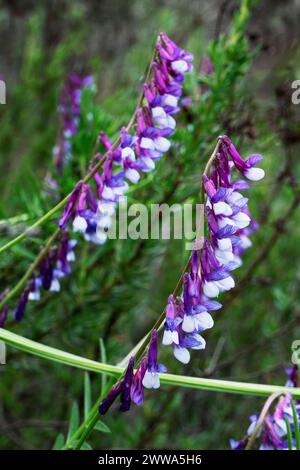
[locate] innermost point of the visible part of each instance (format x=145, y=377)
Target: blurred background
x=117, y=291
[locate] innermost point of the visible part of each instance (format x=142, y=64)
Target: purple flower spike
x=69, y=109
x=137, y=152
x=172, y=322
x=229, y=226
x=273, y=434
x=151, y=377
x=246, y=167
x=121, y=388
x=3, y=315
x=137, y=388
x=20, y=310
x=110, y=398
x=125, y=399
x=270, y=439
x=69, y=209
x=46, y=273
x=293, y=376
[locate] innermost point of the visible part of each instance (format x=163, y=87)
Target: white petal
x=147, y=143
x=132, y=175
x=128, y=152
x=223, y=256
x=149, y=163
x=225, y=244
x=170, y=100
x=238, y=261
x=210, y=289
x=180, y=66
x=107, y=208
x=148, y=380
x=226, y=221
x=182, y=354
x=151, y=380
x=55, y=286
x=71, y=256
x=104, y=222
x=99, y=237
x=35, y=295
x=235, y=197
x=158, y=112
x=175, y=337
x=188, y=324
x=255, y=174
x=241, y=219
x=156, y=381
x=162, y=144
x=155, y=154
x=245, y=242
x=222, y=208
x=208, y=203
x=79, y=224
x=107, y=193
x=167, y=338
x=120, y=190
x=165, y=121
x=227, y=283
x=204, y=320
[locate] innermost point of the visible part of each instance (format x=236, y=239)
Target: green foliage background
x=117, y=291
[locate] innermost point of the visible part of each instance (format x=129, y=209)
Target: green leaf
x=102, y=427
x=74, y=420
x=59, y=442
x=86, y=446
x=87, y=394
x=289, y=434
x=296, y=425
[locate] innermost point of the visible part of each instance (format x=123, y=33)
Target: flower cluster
x=91, y=211
x=273, y=432
x=131, y=387
x=53, y=267
x=56, y=264
x=229, y=226
x=69, y=110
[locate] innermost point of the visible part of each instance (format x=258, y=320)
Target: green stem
x=39, y=222
x=79, y=437
x=226, y=386
x=81, y=434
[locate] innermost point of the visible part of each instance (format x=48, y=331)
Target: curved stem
x=36, y=224
x=215, y=385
